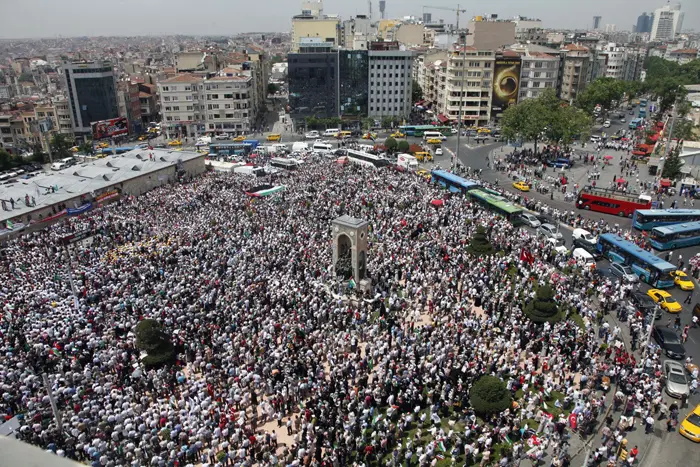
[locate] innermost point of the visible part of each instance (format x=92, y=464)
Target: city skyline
x=47, y=19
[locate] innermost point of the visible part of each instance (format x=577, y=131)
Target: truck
x=407, y=162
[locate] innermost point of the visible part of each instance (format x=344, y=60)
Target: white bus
x=367, y=159
x=331, y=132
x=286, y=164
x=322, y=147
x=434, y=134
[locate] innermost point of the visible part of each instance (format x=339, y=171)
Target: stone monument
x=350, y=250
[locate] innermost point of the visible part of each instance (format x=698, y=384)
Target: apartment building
x=573, y=71
x=426, y=72
x=44, y=112
x=61, y=107
x=129, y=104
x=182, y=104
x=614, y=61
x=7, y=140
x=539, y=69
x=149, y=103
x=467, y=77
x=390, y=75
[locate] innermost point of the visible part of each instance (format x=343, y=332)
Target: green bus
x=418, y=130
x=497, y=203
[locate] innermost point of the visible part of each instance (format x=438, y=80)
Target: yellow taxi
x=423, y=156
x=371, y=136
x=682, y=280
x=664, y=299
x=75, y=149
x=239, y=139
x=142, y=138
x=103, y=145
x=398, y=134
x=483, y=131
x=175, y=142
x=274, y=137
x=690, y=426
x=522, y=186
x=434, y=141
x=423, y=173
x=343, y=134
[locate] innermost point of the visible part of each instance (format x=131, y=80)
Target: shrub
x=403, y=146
x=151, y=339
x=543, y=308
x=489, y=395
x=479, y=244
x=391, y=144
x=414, y=148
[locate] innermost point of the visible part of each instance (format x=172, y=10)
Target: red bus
x=611, y=202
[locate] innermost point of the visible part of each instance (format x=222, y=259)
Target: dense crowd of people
x=274, y=367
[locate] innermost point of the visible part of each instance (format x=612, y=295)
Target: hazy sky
x=49, y=18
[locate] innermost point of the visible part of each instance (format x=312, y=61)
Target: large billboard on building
x=110, y=128
x=506, y=83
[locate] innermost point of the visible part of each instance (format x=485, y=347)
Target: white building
x=539, y=69
x=668, y=21
x=182, y=104
x=390, y=75
x=615, y=60
x=62, y=111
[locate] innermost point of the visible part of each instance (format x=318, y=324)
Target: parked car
x=584, y=235
x=624, y=272
x=645, y=304
x=676, y=379
x=549, y=231
x=665, y=300
x=606, y=123
x=690, y=426
x=580, y=243
x=668, y=341
x=312, y=135
x=530, y=220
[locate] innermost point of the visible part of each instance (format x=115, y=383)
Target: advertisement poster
x=109, y=128
x=506, y=83
x=78, y=210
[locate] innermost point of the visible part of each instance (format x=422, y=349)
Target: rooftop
x=87, y=177
x=183, y=78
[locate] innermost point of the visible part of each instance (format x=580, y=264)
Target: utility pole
x=54, y=407
x=460, y=122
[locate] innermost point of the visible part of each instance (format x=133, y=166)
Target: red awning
x=665, y=182
x=443, y=119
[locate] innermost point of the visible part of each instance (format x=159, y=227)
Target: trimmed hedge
x=151, y=339
x=489, y=395
x=543, y=308
x=479, y=244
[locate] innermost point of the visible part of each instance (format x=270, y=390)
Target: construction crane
x=456, y=10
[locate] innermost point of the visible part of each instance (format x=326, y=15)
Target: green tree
x=391, y=144
x=569, y=124
x=672, y=166
x=387, y=122
x=403, y=146
x=5, y=159
x=151, y=338
x=602, y=91
x=367, y=123
x=543, y=308
x=272, y=88
x=479, y=244
x=312, y=123
x=86, y=148
x=489, y=395
x=60, y=146
x=416, y=92
x=683, y=129
x=528, y=120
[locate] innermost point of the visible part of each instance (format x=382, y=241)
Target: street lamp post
x=460, y=123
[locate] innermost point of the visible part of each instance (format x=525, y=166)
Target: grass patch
x=578, y=320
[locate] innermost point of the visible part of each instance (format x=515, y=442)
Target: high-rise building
x=596, y=22
x=91, y=92
x=390, y=75
x=313, y=80
x=668, y=21
x=644, y=22
x=610, y=28
x=353, y=84
x=427, y=18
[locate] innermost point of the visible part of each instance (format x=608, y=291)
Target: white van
x=322, y=147
x=582, y=255
x=300, y=146
x=407, y=162
x=331, y=132
x=59, y=165
x=434, y=134
x=584, y=235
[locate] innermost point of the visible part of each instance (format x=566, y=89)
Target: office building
x=390, y=76
x=539, y=69
x=92, y=94
x=573, y=71
x=668, y=21
x=313, y=24
x=312, y=77
x=644, y=22
x=129, y=104
x=427, y=18
x=356, y=33
x=490, y=34
x=610, y=28
x=353, y=85
x=596, y=22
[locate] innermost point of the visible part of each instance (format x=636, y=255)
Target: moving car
x=221, y=137
x=623, y=119
x=645, y=304
x=522, y=186
x=423, y=173
x=584, y=256
x=371, y=136
x=595, y=138
x=549, y=231
x=665, y=300
x=676, y=379
x=606, y=123
x=690, y=426
x=312, y=135
x=670, y=343
x=423, y=156
x=682, y=280
x=274, y=137
x=438, y=151
x=176, y=142
x=398, y=134
x=580, y=243
x=239, y=139
x=481, y=137
x=585, y=236
x=624, y=272
x=433, y=141
x=530, y=220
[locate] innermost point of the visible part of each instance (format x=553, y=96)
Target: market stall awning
x=665, y=182
x=442, y=118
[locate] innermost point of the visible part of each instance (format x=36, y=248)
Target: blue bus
x=635, y=123
x=651, y=269
x=418, y=130
x=647, y=219
x=642, y=113
x=669, y=237
x=452, y=182
x=231, y=149
x=642, y=102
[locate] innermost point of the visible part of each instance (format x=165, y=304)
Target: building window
x=165, y=88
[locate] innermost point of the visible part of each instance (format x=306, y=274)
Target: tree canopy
x=391, y=144
x=665, y=80
x=489, y=395
x=479, y=244
x=60, y=146
x=151, y=338
x=672, y=166
x=545, y=116
x=543, y=308
x=604, y=91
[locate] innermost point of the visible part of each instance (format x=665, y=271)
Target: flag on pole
x=351, y=283
x=10, y=224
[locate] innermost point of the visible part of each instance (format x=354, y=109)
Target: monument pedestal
x=366, y=286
